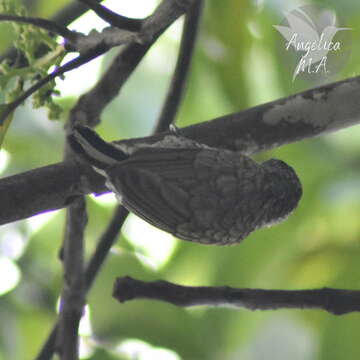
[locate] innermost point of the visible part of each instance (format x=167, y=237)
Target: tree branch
x=63, y=17
x=95, y=44
x=297, y=117
x=70, y=65
x=114, y=19
x=105, y=243
x=92, y=104
x=178, y=82
x=335, y=301
x=42, y=23
x=73, y=296
x=311, y=113
x=47, y=188
x=71, y=12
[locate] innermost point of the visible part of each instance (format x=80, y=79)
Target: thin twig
x=63, y=17
x=114, y=19
x=178, y=82
x=44, y=24
x=71, y=65
x=105, y=243
x=71, y=12
x=73, y=295
x=92, y=104
x=47, y=350
x=335, y=301
x=165, y=14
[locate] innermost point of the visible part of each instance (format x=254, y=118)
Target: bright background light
x=4, y=159
x=153, y=247
x=10, y=275
x=140, y=350
x=78, y=81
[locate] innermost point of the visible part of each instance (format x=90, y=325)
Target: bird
x=195, y=192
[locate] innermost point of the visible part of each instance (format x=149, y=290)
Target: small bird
x=195, y=192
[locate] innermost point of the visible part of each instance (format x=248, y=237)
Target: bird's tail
x=93, y=149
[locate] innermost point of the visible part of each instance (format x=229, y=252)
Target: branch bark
x=114, y=19
x=48, y=25
x=113, y=229
x=178, y=82
x=64, y=17
x=97, y=43
x=105, y=243
x=28, y=194
x=311, y=113
x=335, y=301
x=91, y=105
x=73, y=295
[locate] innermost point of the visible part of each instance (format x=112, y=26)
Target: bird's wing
x=196, y=194
x=153, y=184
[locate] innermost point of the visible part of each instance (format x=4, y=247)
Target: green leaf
x=14, y=80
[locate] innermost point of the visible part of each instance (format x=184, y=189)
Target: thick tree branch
x=301, y=116
x=59, y=184
x=311, y=113
x=335, y=301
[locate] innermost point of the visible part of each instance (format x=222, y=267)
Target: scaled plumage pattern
x=197, y=193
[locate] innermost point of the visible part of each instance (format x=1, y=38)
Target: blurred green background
x=238, y=64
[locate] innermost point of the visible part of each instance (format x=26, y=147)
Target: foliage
x=29, y=42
